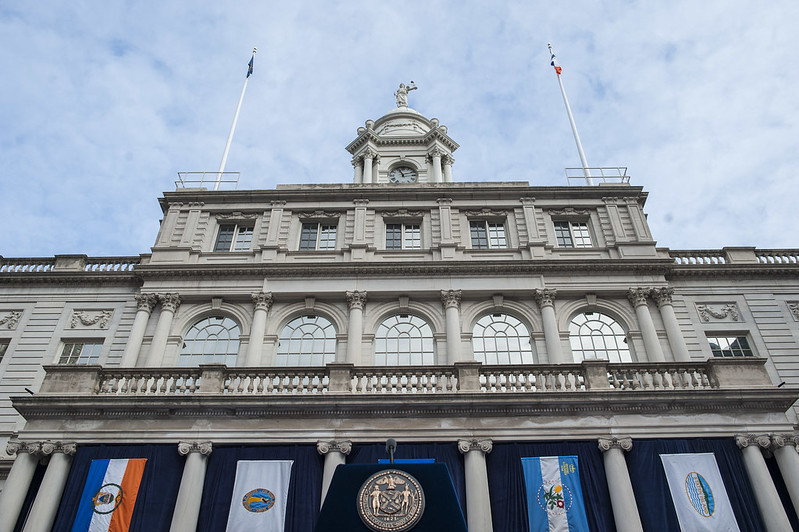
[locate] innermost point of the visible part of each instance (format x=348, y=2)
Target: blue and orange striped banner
x=109, y=495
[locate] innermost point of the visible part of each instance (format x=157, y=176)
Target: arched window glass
x=307, y=341
x=404, y=340
x=501, y=339
x=211, y=340
x=596, y=335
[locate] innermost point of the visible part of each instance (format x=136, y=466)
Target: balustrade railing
x=404, y=379
x=777, y=256
x=26, y=265
x=151, y=381
x=270, y=381
x=699, y=256
x=562, y=378
x=111, y=264
x=666, y=376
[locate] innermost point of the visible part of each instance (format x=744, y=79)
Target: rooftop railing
x=68, y=263
x=208, y=180
x=735, y=255
x=597, y=175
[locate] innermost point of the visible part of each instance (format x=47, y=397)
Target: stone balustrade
x=68, y=263
x=462, y=377
x=735, y=255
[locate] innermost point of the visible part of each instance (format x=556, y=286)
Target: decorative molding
x=356, y=299
x=755, y=440
x=236, y=215
x=344, y=447
x=486, y=446
x=568, y=211
x=545, y=297
x=444, y=201
x=638, y=296
x=402, y=213
x=793, y=307
x=146, y=302
x=262, y=300
x=728, y=310
x=527, y=200
x=360, y=201
x=186, y=447
x=451, y=298
x=83, y=317
x=368, y=153
x=50, y=447
x=447, y=159
x=606, y=444
x=486, y=212
x=781, y=440
x=317, y=215
x=11, y=319
x=169, y=302
x=435, y=152
x=662, y=296
x=31, y=447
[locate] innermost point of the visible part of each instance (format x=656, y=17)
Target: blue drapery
x=157, y=494
x=305, y=486
x=507, y=490
x=445, y=453
x=652, y=491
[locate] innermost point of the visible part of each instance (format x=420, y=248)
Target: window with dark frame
x=730, y=346
x=82, y=352
x=403, y=236
x=3, y=348
x=233, y=237
x=572, y=234
x=486, y=234
x=317, y=236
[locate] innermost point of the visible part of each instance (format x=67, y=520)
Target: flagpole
x=233, y=126
x=586, y=172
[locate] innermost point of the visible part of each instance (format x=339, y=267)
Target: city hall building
x=476, y=323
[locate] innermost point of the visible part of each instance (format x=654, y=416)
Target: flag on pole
x=260, y=494
x=555, y=64
x=698, y=492
x=554, y=495
x=249, y=65
x=109, y=495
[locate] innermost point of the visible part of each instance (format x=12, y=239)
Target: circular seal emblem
x=258, y=500
x=391, y=501
x=699, y=494
x=107, y=498
x=554, y=498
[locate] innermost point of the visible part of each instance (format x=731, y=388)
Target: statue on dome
x=402, y=94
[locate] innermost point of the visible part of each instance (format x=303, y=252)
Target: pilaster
x=622, y=496
x=335, y=453
x=187, y=505
x=478, y=504
x=771, y=509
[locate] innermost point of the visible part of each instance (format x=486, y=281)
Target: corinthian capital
x=146, y=302
x=356, y=299
x=545, y=297
x=262, y=300
x=186, y=447
x=662, y=296
x=638, y=296
x=170, y=302
x=464, y=446
x=606, y=444
x=451, y=298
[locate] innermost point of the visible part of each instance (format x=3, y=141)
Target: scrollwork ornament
x=11, y=319
x=606, y=444
x=68, y=448
x=343, y=447
x=485, y=445
x=778, y=441
x=13, y=447
x=185, y=447
x=100, y=319
x=48, y=448
x=638, y=296
x=793, y=307
x=706, y=312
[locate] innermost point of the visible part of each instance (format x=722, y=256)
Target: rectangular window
x=3, y=348
x=403, y=236
x=487, y=235
x=572, y=234
x=317, y=237
x=234, y=237
x=81, y=353
x=730, y=346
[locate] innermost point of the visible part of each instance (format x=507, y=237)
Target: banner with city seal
x=391, y=501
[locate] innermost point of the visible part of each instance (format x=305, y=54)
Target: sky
x=102, y=103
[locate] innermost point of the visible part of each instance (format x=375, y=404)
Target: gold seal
x=391, y=501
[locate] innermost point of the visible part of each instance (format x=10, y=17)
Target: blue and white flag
x=259, y=496
x=698, y=492
x=554, y=495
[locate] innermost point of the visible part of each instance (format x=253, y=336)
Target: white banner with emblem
x=259, y=496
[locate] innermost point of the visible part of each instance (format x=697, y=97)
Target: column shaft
x=45, y=506
x=437, y=168
x=133, y=346
x=367, y=170
x=15, y=489
x=638, y=298
x=187, y=505
x=333, y=459
x=478, y=503
x=788, y=461
x=453, y=335
x=448, y=172
x=676, y=340
x=356, y=301
x=256, y=338
x=552, y=335
x=158, y=346
x=622, y=497
x=774, y=516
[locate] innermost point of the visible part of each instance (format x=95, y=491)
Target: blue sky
x=103, y=103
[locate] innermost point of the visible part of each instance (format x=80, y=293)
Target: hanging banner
x=698, y=492
x=259, y=496
x=109, y=495
x=554, y=495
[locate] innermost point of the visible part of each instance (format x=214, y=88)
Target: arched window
x=211, y=340
x=307, y=341
x=404, y=340
x=597, y=335
x=501, y=339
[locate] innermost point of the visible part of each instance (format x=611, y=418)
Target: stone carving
x=146, y=302
x=237, y=215
x=170, y=302
x=11, y=319
x=464, y=446
x=31, y=447
x=83, y=317
x=760, y=440
x=186, y=447
x=781, y=440
x=343, y=447
x=435, y=152
x=49, y=447
x=402, y=93
x=568, y=211
x=447, y=159
x=487, y=213
x=402, y=213
x=451, y=298
x=368, y=153
x=545, y=297
x=316, y=215
x=662, y=296
x=638, y=296
x=606, y=444
x=793, y=307
x=706, y=312
x=356, y=299
x=262, y=300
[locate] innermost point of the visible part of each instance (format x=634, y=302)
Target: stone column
x=45, y=506
x=451, y=299
x=784, y=448
x=18, y=482
x=545, y=297
x=638, y=299
x=662, y=297
x=447, y=160
x=187, y=505
x=368, y=157
x=774, y=516
x=478, y=504
x=435, y=157
x=262, y=302
x=146, y=303
x=356, y=301
x=357, y=163
x=169, y=305
x=335, y=453
x=622, y=497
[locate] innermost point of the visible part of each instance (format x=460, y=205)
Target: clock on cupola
x=402, y=147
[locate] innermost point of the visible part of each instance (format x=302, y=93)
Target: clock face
x=402, y=174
